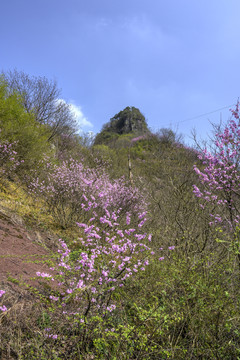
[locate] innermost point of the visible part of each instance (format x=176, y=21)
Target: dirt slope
x=18, y=245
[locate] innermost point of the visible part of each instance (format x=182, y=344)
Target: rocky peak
x=130, y=120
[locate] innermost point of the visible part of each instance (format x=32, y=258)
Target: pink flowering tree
x=90, y=273
x=74, y=191
x=220, y=179
x=107, y=255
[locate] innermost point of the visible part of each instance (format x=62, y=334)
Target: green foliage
x=18, y=126
x=107, y=138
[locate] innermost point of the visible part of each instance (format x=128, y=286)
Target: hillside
x=124, y=249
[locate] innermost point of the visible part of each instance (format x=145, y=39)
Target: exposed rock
x=130, y=120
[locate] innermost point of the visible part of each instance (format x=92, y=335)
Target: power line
x=208, y=113
x=199, y=116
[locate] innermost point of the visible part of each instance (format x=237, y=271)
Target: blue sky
x=174, y=60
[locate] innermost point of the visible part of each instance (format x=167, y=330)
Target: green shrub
x=18, y=126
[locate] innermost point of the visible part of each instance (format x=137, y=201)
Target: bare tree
x=42, y=98
x=168, y=136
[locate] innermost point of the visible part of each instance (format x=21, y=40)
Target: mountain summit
x=128, y=121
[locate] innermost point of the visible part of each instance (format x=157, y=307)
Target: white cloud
x=76, y=110
x=79, y=116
